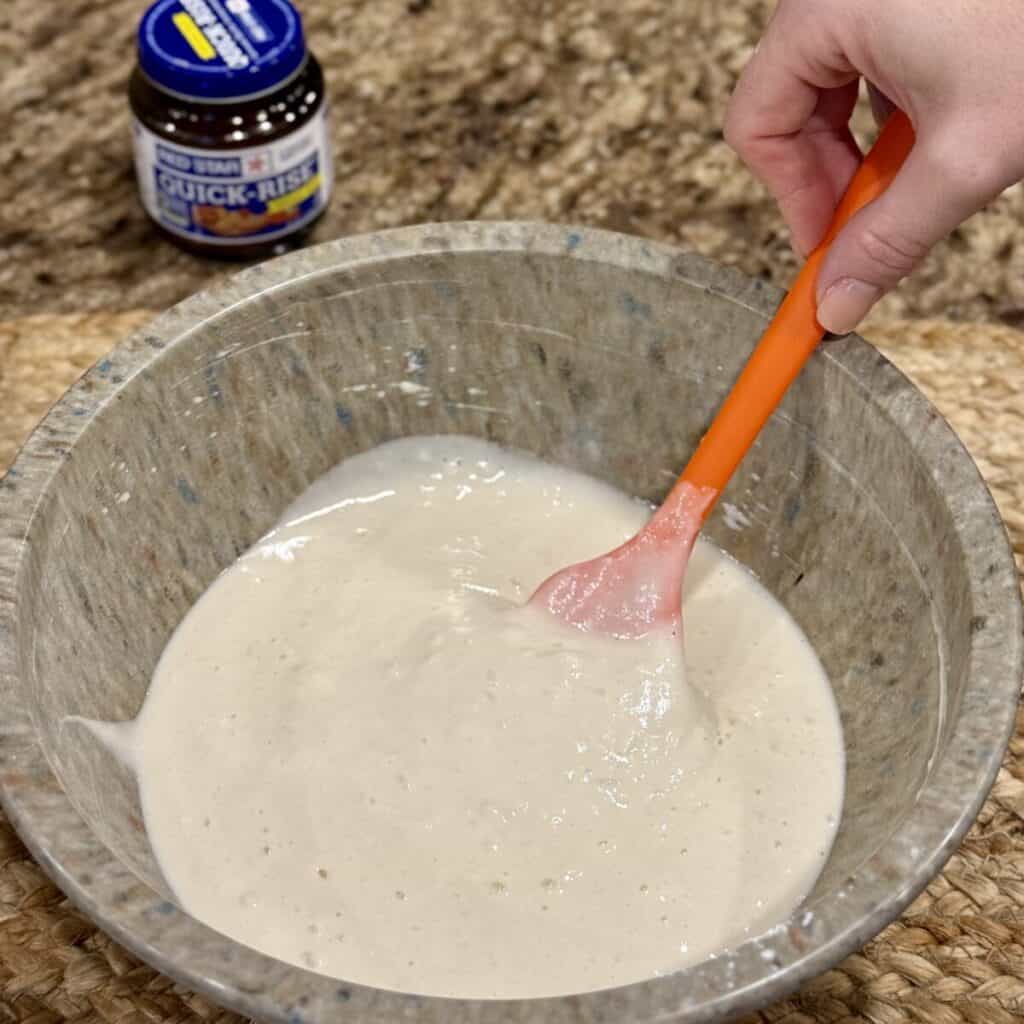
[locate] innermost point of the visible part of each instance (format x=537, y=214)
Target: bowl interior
x=589, y=362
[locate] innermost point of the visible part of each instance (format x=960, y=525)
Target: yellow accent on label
x=194, y=36
x=293, y=198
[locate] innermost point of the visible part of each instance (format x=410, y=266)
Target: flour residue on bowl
x=360, y=754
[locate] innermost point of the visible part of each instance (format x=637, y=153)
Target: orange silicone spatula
x=637, y=587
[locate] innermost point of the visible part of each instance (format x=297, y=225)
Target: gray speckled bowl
x=858, y=508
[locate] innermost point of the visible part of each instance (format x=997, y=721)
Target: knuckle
x=733, y=130
x=795, y=13
x=895, y=252
x=976, y=181
x=730, y=131
x=969, y=165
x=795, y=189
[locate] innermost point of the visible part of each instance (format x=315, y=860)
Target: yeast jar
x=232, y=150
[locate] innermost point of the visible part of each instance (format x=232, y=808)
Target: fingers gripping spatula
x=636, y=588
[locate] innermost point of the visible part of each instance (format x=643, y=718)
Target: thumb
x=886, y=240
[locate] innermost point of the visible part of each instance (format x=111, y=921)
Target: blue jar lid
x=219, y=50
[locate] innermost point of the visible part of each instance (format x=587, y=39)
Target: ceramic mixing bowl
x=857, y=507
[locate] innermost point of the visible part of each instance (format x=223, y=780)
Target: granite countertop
x=599, y=112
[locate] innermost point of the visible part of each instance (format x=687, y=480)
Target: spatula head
x=637, y=588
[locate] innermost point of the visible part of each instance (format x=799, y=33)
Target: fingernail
x=846, y=303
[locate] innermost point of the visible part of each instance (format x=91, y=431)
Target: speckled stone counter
x=600, y=112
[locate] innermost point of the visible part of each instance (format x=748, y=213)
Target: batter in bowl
x=359, y=754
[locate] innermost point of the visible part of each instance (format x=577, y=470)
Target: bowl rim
x=753, y=974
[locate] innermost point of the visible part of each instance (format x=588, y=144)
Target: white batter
x=359, y=755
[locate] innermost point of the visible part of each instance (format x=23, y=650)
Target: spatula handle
x=794, y=332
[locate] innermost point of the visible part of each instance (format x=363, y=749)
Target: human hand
x=952, y=65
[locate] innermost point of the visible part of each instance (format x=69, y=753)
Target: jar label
x=235, y=196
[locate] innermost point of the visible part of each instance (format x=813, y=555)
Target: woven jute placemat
x=956, y=955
